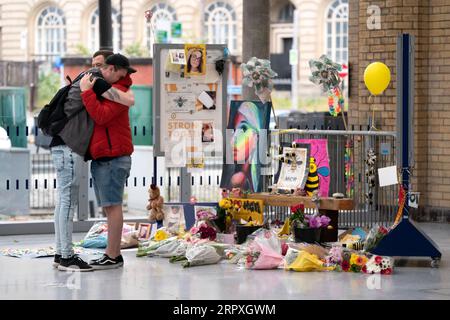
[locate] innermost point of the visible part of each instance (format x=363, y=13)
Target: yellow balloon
x=377, y=77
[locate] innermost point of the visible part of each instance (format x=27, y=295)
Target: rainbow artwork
x=248, y=120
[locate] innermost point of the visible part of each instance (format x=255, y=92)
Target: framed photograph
x=174, y=218
x=195, y=59
x=145, y=230
x=202, y=212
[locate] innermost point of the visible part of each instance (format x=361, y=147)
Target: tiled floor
x=156, y=278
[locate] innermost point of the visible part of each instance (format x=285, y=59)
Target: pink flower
x=314, y=222
x=364, y=269
x=378, y=259
x=324, y=221
x=194, y=230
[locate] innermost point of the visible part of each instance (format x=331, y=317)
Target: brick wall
x=429, y=22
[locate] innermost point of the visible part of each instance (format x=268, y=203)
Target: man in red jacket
x=110, y=148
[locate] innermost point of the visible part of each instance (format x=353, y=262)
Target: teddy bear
x=155, y=204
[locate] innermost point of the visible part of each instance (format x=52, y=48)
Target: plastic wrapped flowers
x=374, y=237
x=357, y=261
x=303, y=261
x=264, y=251
x=379, y=264
x=257, y=73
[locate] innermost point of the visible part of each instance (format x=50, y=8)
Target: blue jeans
x=65, y=161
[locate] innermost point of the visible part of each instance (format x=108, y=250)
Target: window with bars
x=162, y=14
x=94, y=30
x=50, y=32
x=337, y=31
x=221, y=25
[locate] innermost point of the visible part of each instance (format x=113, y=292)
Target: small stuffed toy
x=155, y=204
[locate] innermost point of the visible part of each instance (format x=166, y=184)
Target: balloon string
x=372, y=126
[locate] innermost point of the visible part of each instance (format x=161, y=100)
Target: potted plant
x=306, y=227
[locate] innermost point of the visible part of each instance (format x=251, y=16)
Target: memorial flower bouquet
x=264, y=251
x=374, y=237
x=353, y=262
x=301, y=220
x=224, y=216
x=205, y=231
x=379, y=264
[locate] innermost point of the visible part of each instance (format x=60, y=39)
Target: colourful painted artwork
x=319, y=155
x=248, y=120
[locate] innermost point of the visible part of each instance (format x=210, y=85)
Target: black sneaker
x=56, y=261
x=74, y=263
x=107, y=262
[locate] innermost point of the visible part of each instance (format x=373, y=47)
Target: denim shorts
x=109, y=179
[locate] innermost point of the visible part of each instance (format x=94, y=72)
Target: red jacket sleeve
x=103, y=111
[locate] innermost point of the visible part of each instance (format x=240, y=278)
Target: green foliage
x=82, y=50
x=48, y=85
x=135, y=50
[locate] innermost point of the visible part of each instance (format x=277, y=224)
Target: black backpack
x=52, y=118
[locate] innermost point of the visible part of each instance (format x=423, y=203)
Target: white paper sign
x=293, y=177
x=414, y=199
x=206, y=99
x=387, y=176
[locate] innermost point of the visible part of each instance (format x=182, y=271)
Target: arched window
x=286, y=14
x=94, y=30
x=337, y=31
x=162, y=14
x=50, y=32
x=220, y=24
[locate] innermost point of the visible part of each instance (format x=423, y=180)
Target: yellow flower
x=225, y=203
x=161, y=235
x=359, y=260
x=353, y=258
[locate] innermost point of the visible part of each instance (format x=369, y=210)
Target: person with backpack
x=111, y=148
x=66, y=120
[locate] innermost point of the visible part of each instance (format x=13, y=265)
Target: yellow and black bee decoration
x=312, y=183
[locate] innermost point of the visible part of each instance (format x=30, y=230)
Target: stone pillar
x=256, y=36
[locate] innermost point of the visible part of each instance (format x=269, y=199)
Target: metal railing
x=347, y=152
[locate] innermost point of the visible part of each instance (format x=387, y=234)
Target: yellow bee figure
x=312, y=183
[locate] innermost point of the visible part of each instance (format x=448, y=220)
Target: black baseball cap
x=121, y=61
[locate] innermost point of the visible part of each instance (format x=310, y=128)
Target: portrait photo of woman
x=196, y=60
x=247, y=120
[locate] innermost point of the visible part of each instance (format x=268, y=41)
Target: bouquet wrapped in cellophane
x=264, y=251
